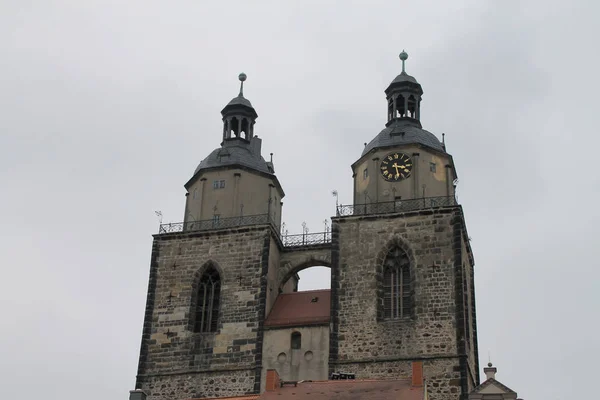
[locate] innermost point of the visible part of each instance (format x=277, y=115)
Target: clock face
x=396, y=166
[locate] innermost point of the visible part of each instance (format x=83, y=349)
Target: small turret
x=239, y=116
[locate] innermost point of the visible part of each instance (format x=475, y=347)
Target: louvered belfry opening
x=396, y=284
x=207, y=306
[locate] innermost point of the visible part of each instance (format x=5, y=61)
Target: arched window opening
x=400, y=110
x=396, y=285
x=244, y=131
x=207, y=303
x=412, y=107
x=226, y=129
x=312, y=278
x=296, y=340
x=390, y=108
x=234, y=127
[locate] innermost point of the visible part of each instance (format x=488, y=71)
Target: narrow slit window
x=296, y=340
x=432, y=167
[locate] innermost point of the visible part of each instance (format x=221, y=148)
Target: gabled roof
x=400, y=389
x=492, y=382
x=300, y=308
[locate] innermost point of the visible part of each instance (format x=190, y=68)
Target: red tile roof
x=400, y=389
x=293, y=309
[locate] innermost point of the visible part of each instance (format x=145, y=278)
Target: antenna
x=159, y=215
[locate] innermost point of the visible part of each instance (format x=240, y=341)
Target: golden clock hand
x=396, y=167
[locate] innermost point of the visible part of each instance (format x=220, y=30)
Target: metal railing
x=395, y=206
x=306, y=239
x=216, y=223
x=303, y=239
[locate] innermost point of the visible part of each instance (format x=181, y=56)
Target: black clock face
x=396, y=166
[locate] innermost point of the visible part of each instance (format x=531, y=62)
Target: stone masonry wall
x=177, y=363
x=363, y=341
x=470, y=323
x=442, y=376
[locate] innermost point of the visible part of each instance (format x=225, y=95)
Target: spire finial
x=403, y=57
x=242, y=77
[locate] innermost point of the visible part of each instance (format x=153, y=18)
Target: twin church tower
x=223, y=304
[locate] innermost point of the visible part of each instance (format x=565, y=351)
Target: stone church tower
x=223, y=305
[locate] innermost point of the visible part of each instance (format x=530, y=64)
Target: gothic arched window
x=396, y=284
x=207, y=302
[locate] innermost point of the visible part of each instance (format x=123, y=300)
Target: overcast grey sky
x=107, y=107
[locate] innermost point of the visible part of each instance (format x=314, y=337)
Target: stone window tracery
x=396, y=284
x=207, y=303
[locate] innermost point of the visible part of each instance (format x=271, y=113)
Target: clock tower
x=404, y=161
x=402, y=266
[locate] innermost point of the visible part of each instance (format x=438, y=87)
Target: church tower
x=216, y=194
x=402, y=267
x=208, y=290
x=223, y=309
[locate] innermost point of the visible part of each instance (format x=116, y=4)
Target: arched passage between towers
x=294, y=261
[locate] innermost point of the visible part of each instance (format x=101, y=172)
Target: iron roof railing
x=389, y=207
x=303, y=239
x=306, y=239
x=216, y=223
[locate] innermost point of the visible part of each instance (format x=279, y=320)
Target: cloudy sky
x=107, y=107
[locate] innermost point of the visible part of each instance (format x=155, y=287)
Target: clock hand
x=396, y=166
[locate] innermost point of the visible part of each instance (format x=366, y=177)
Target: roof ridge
x=490, y=381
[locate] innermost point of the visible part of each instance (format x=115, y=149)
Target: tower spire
x=403, y=57
x=239, y=116
x=242, y=77
x=404, y=96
